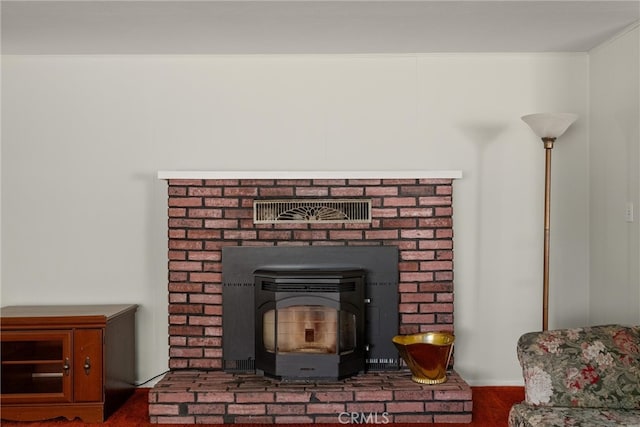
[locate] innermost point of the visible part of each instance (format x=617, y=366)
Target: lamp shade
x=549, y=125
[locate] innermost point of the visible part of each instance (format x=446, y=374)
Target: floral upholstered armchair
x=580, y=377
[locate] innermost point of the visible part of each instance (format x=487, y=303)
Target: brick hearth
x=375, y=398
x=414, y=214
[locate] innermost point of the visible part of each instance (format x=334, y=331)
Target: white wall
x=84, y=217
x=614, y=71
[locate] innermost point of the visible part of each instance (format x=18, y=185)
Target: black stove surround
x=337, y=306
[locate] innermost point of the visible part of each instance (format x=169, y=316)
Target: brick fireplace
x=209, y=211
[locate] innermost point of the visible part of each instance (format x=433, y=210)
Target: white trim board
x=412, y=174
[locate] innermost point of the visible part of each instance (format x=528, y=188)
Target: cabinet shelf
x=32, y=362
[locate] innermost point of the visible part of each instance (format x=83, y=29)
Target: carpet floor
x=490, y=409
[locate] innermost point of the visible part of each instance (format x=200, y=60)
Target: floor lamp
x=548, y=126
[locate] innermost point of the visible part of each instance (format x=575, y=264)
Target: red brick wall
x=205, y=215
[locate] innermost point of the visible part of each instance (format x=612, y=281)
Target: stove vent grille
x=306, y=211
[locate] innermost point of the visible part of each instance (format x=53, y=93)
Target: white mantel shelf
x=412, y=174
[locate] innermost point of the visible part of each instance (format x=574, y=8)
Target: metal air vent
x=335, y=210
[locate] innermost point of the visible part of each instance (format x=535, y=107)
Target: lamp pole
x=548, y=146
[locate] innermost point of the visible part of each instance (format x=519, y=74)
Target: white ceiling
x=309, y=26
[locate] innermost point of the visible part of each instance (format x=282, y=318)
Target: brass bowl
x=426, y=354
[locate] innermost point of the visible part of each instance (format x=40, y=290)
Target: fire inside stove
x=310, y=323
x=309, y=329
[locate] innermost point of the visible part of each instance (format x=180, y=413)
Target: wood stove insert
x=310, y=323
x=380, y=266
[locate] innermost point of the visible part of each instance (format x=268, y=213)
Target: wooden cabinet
x=66, y=361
